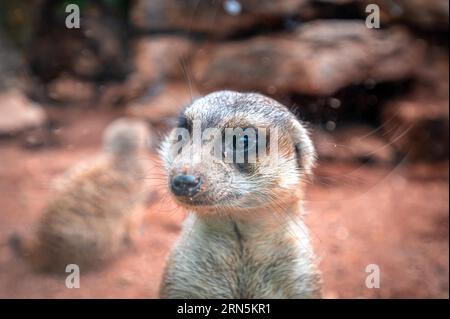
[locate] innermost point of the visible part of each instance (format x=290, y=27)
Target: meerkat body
x=245, y=236
x=94, y=207
x=225, y=258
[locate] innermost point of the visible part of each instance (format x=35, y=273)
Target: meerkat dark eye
x=246, y=143
x=241, y=140
x=241, y=147
x=183, y=122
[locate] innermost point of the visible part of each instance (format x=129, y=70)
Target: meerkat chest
x=265, y=267
x=224, y=263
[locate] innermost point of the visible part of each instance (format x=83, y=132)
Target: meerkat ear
x=304, y=148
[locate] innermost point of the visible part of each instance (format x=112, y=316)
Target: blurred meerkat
x=244, y=236
x=96, y=206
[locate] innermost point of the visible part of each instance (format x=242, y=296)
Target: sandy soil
x=396, y=218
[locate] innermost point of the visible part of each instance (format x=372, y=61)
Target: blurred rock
x=104, y=50
x=352, y=104
x=426, y=14
x=39, y=138
x=71, y=90
x=158, y=60
x=17, y=113
x=432, y=76
x=336, y=2
x=14, y=18
x=354, y=144
x=97, y=51
x=161, y=103
x=10, y=62
x=318, y=59
x=418, y=128
x=418, y=124
x=218, y=18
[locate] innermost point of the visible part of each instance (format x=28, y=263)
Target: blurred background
x=377, y=101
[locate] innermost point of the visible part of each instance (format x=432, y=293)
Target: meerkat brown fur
x=244, y=236
x=94, y=207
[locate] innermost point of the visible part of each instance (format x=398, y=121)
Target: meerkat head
x=235, y=152
x=125, y=137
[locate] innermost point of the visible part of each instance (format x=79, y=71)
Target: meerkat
x=244, y=236
x=95, y=206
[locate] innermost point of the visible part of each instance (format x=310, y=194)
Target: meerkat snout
x=185, y=185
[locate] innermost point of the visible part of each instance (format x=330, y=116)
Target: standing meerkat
x=95, y=206
x=244, y=236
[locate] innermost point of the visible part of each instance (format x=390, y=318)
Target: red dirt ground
x=395, y=218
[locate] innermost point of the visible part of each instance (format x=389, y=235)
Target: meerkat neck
x=257, y=220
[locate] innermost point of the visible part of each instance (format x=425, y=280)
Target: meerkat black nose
x=185, y=185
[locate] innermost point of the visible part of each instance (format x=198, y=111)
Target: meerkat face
x=234, y=152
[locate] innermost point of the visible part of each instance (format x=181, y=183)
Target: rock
x=418, y=124
x=103, y=53
x=432, y=76
x=217, y=18
x=158, y=60
x=162, y=103
x=39, y=138
x=10, y=62
x=17, y=113
x=426, y=14
x=71, y=90
x=96, y=51
x=418, y=127
x=320, y=58
x=354, y=144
